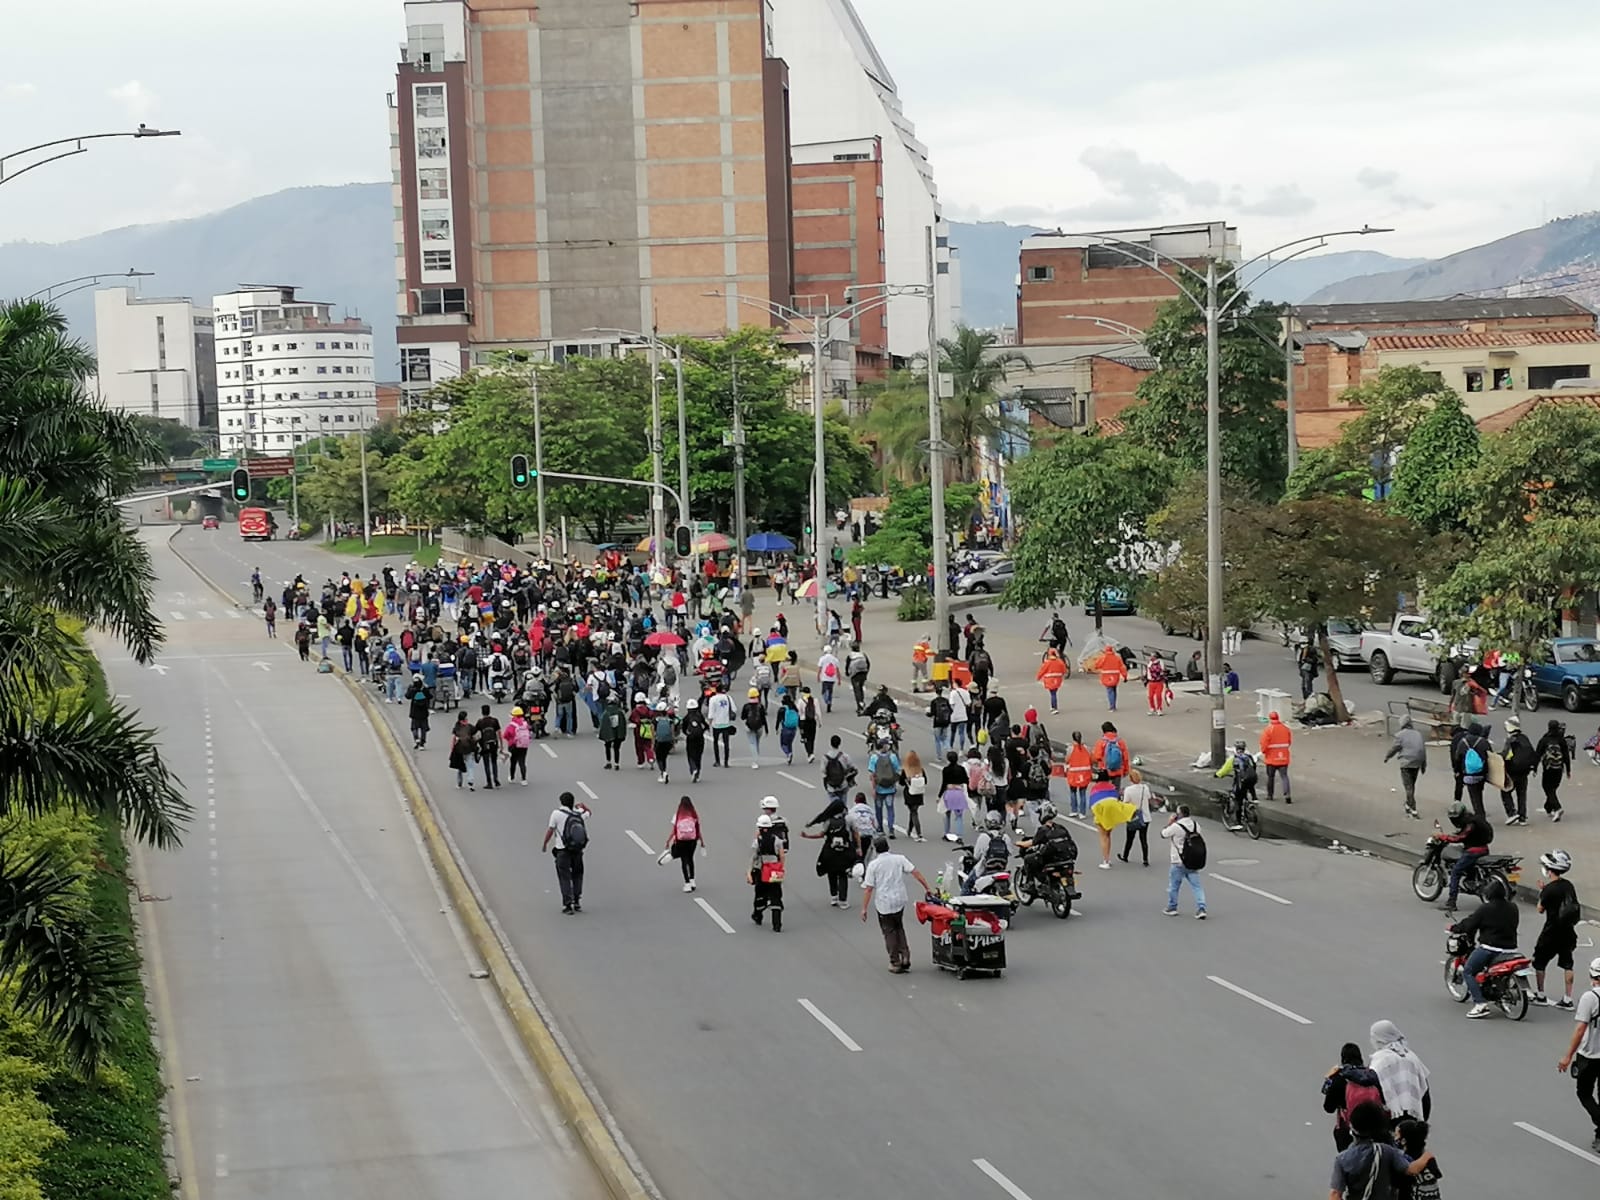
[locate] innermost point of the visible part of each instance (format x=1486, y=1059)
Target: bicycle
x=1246, y=816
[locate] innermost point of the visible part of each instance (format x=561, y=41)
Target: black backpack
x=1192, y=854
x=575, y=834
x=1244, y=769
x=835, y=776
x=940, y=710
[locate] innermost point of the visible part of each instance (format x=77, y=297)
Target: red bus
x=256, y=525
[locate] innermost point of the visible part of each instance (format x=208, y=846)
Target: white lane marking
x=1245, y=887
x=714, y=915
x=639, y=841
x=824, y=1020
x=853, y=732
x=1261, y=1000
x=586, y=790
x=1555, y=1141
x=222, y=1166
x=176, y=615
x=994, y=1173
x=206, y=616
x=797, y=779
x=547, y=750
x=233, y=614
x=901, y=830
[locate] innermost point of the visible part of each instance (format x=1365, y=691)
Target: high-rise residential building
x=575, y=165
x=288, y=371
x=155, y=356
x=841, y=91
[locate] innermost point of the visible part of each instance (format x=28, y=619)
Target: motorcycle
x=992, y=883
x=1433, y=872
x=537, y=725
x=1506, y=982
x=877, y=730
x=500, y=686
x=1054, y=882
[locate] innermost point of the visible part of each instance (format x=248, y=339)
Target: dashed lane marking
x=994, y=1173
x=715, y=916
x=827, y=1023
x=586, y=790
x=1245, y=887
x=547, y=750
x=639, y=841
x=796, y=779
x=176, y=615
x=1261, y=1000
x=1555, y=1141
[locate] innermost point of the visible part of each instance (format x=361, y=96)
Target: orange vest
x=1052, y=671
x=1275, y=739
x=920, y=652
x=1112, y=669
x=1080, y=768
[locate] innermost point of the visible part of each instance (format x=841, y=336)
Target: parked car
x=992, y=577
x=210, y=523
x=1412, y=646
x=1114, y=602
x=1344, y=641
x=1568, y=670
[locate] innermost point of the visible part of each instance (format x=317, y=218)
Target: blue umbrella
x=768, y=543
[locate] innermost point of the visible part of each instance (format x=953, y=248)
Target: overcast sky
x=1454, y=123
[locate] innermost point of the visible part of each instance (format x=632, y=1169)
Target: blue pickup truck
x=1568, y=670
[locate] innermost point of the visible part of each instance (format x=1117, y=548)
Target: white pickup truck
x=1412, y=646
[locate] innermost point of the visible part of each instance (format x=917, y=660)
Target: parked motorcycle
x=1506, y=982
x=1054, y=882
x=1433, y=872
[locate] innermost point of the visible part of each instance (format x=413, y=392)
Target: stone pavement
x=1343, y=790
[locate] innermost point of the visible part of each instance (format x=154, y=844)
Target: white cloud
x=1375, y=177
x=18, y=90
x=138, y=101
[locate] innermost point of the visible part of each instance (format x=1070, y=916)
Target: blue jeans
x=349, y=658
x=941, y=735
x=1078, y=801
x=391, y=687
x=959, y=819
x=1111, y=697
x=880, y=802
x=753, y=736
x=827, y=695
x=1053, y=706
x=958, y=736
x=567, y=717
x=1178, y=874
x=1481, y=959
x=1460, y=868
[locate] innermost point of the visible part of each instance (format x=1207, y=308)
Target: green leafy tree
x=903, y=539
x=1546, y=465
x=171, y=439
x=1170, y=418
x=1081, y=507
x=1175, y=593
x=1326, y=471
x=1441, y=451
x=977, y=371
x=1390, y=407
x=330, y=485
x=896, y=424
x=67, y=559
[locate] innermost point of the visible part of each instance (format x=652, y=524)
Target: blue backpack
x=1472, y=762
x=791, y=717
x=1113, y=758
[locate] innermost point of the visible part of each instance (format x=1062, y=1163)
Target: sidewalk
x=1343, y=790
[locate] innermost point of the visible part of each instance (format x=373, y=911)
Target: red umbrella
x=663, y=638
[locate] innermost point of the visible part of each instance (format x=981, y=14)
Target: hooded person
x=1349, y=1084
x=1401, y=1074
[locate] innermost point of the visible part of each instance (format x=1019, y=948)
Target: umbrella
x=662, y=637
x=769, y=543
x=712, y=543
x=646, y=545
x=808, y=589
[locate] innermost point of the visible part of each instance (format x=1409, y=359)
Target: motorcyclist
x=881, y=705
x=499, y=672
x=990, y=852
x=1474, y=833
x=1241, y=768
x=1493, y=925
x=1051, y=843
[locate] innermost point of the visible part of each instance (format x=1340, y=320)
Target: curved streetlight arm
x=77, y=145
x=1143, y=259
x=87, y=279
x=1319, y=240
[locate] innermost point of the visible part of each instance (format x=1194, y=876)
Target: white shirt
x=1138, y=795
x=1183, y=826
x=558, y=823
x=719, y=711
x=958, y=706
x=886, y=876
x=1588, y=1011
x=824, y=663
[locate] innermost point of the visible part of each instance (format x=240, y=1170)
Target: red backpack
x=1359, y=1093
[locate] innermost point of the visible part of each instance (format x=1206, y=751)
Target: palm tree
x=896, y=421
x=66, y=553
x=976, y=370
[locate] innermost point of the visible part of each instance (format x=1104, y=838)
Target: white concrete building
x=840, y=88
x=287, y=371
x=155, y=356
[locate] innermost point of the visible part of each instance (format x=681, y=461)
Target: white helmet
x=769, y=803
x=763, y=822
x=1594, y=968
x=638, y=697
x=1556, y=860
x=994, y=819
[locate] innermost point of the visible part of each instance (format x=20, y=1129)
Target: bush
x=916, y=604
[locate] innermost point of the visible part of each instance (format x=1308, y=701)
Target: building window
x=434, y=183
x=322, y=370
x=436, y=229
x=322, y=345
x=349, y=345
x=429, y=100
x=322, y=395
x=337, y=370
x=1502, y=379
x=275, y=345
x=1547, y=377
x=1474, y=381
x=338, y=418
x=438, y=301
x=1041, y=274
x=294, y=370
x=436, y=260
x=430, y=143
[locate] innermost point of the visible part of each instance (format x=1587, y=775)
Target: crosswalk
x=204, y=614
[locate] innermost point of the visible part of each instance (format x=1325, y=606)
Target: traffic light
x=683, y=541
x=520, y=472
x=241, y=484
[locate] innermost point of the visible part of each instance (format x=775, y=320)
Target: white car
x=992, y=577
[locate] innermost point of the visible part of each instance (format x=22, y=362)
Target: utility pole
x=737, y=438
x=366, y=504
x=538, y=457
x=1219, y=714
x=657, y=507
x=1288, y=389
x=683, y=439
x=941, y=583
x=819, y=487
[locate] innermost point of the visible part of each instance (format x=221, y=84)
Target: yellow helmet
x=755, y=693
x=516, y=712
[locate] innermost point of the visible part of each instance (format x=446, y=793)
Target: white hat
x=770, y=803
x=1594, y=968
x=763, y=822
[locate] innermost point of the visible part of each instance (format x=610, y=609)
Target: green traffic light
x=241, y=484
x=520, y=474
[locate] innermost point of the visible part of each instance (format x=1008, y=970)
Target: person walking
x=856, y=667
x=883, y=765
x=1079, y=772
x=719, y=715
x=1052, y=674
x=1373, y=1167
x=642, y=719
x=1275, y=739
x=1109, y=810
x=693, y=727
x=518, y=737
x=1469, y=756
x=269, y=611
x=953, y=799
x=663, y=736
x=856, y=611
x=1188, y=859
x=1412, y=750
x=1555, y=764
x=569, y=829
x=1520, y=760
x=463, y=750
x=1308, y=662
x=1138, y=794
x=754, y=716
x=1349, y=1084
x=1113, y=671
x=788, y=726
x=1558, y=939
x=960, y=717
x=828, y=672
x=766, y=873
x=419, y=698
x=838, y=853
x=808, y=723
x=1110, y=754
x=883, y=888
x=613, y=731
x=1155, y=687
x=915, y=780
x=1583, y=1052
x=487, y=730
x=1401, y=1073
x=684, y=838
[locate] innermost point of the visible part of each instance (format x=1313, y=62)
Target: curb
x=619, y=1168
x=201, y=575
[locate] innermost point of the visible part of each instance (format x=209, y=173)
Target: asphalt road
x=321, y=1032
x=1123, y=1053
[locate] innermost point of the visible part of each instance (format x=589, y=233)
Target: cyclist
x=256, y=590
x=1241, y=767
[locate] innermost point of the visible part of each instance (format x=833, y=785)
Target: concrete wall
x=147, y=354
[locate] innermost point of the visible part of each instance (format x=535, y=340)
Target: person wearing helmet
x=1584, y=1049
x=990, y=851
x=420, y=698
x=780, y=827
x=1474, y=834
x=719, y=715
x=1493, y=925
x=1241, y=766
x=754, y=716
x=693, y=728
x=664, y=733
x=1558, y=901
x=1051, y=843
x=518, y=736
x=766, y=872
x=643, y=721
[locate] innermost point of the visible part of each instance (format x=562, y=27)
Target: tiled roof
x=1110, y=426
x=1488, y=341
x=1318, y=428
x=1507, y=417
x=1466, y=308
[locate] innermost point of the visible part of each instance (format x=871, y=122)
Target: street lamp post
x=538, y=458
x=83, y=281
x=78, y=147
x=941, y=551
x=1213, y=308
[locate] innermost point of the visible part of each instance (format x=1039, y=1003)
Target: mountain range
x=336, y=244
